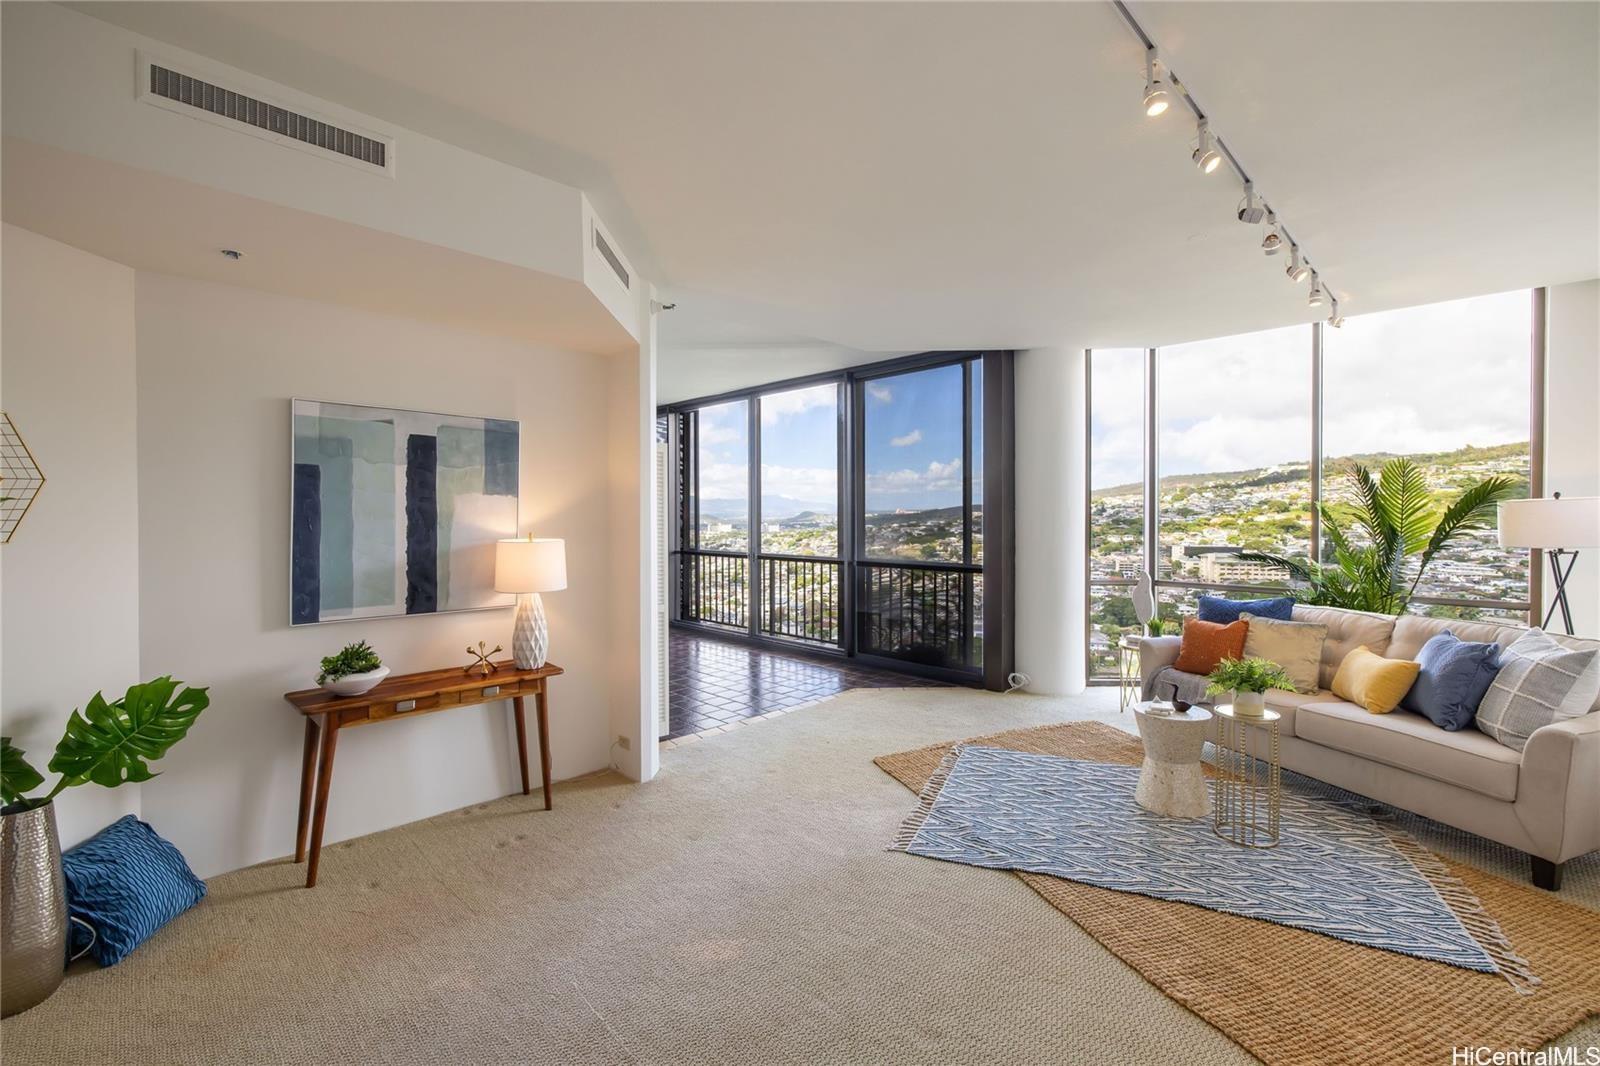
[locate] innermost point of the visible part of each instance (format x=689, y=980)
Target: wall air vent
x=263, y=118
x=604, y=248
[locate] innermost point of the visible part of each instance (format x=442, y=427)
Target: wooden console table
x=399, y=697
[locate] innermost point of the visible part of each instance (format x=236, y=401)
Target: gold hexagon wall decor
x=20, y=478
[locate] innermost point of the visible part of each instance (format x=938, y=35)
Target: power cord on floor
x=1016, y=681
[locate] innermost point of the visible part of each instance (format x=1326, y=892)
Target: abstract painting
x=397, y=512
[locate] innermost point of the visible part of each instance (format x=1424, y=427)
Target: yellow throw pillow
x=1373, y=682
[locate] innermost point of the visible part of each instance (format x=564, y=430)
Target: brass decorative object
x=482, y=666
x=20, y=478
x=1249, y=780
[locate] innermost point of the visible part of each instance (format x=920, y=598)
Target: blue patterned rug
x=1336, y=870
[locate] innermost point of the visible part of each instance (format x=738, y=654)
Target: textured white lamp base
x=530, y=633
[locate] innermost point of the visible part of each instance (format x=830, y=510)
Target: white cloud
x=797, y=401
x=724, y=481
x=809, y=484
x=881, y=393
x=905, y=441
x=938, y=477
x=711, y=433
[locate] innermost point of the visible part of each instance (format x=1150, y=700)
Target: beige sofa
x=1544, y=801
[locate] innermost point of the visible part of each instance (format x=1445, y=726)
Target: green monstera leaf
x=16, y=776
x=110, y=743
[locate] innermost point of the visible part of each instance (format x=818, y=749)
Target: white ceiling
x=153, y=222
x=914, y=176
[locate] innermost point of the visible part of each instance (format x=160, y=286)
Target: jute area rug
x=1296, y=997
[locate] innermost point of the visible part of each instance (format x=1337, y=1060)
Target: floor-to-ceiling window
x=922, y=514
x=848, y=513
x=1446, y=385
x=1243, y=426
x=801, y=576
x=1117, y=427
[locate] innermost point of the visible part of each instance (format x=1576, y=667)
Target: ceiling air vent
x=265, y=117
x=610, y=257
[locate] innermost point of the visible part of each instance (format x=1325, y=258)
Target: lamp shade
x=1565, y=522
x=530, y=565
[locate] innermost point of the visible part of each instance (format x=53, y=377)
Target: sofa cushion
x=1295, y=646
x=1288, y=704
x=1540, y=681
x=1347, y=630
x=1373, y=682
x=1205, y=644
x=1454, y=675
x=1410, y=742
x=1412, y=631
x=1223, y=610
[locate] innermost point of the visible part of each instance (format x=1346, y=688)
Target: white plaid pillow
x=1539, y=682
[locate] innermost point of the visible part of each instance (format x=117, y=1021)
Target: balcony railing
x=922, y=613
x=800, y=598
x=716, y=588
x=928, y=613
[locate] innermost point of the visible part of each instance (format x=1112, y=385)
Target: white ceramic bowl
x=356, y=684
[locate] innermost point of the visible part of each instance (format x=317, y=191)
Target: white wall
x=1051, y=430
x=71, y=596
x=217, y=368
x=1572, y=427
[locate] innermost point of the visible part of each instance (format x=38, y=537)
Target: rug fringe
x=925, y=800
x=1468, y=908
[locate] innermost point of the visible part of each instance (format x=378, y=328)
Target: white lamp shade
x=1568, y=522
x=530, y=565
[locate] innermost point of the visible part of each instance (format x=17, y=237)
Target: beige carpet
x=739, y=909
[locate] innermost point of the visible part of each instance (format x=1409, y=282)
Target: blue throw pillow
x=1454, y=676
x=125, y=882
x=1223, y=610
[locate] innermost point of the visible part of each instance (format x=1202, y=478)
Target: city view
x=1206, y=519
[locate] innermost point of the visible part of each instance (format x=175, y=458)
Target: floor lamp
x=1558, y=527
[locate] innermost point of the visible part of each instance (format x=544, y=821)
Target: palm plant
x=1394, y=519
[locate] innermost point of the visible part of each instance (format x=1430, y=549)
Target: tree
x=1393, y=520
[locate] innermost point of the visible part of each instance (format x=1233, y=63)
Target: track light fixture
x=1272, y=243
x=1162, y=90
x=1297, y=269
x=1206, y=156
x=1156, y=97
x=1251, y=209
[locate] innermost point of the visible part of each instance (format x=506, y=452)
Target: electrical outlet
x=624, y=743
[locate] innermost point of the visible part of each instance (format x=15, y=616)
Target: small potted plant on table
x=354, y=670
x=1247, y=681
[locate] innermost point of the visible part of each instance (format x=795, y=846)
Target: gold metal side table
x=1249, y=780
x=1128, y=693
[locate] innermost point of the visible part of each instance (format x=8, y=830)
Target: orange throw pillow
x=1205, y=644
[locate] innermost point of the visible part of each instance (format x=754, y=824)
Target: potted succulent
x=109, y=743
x=355, y=669
x=1247, y=681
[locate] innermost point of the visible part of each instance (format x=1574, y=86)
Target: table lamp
x=1558, y=527
x=529, y=567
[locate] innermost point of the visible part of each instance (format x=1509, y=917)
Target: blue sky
x=913, y=444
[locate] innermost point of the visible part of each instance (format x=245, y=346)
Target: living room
x=871, y=532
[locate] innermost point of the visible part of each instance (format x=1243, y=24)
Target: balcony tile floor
x=718, y=683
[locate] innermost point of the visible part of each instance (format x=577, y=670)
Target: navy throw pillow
x=1223, y=610
x=1454, y=676
x=125, y=882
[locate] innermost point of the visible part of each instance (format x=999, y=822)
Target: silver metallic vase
x=33, y=909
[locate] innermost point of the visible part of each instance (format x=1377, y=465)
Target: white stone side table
x=1171, y=782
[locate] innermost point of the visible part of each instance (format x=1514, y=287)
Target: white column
x=1572, y=432
x=1051, y=433
x=633, y=600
